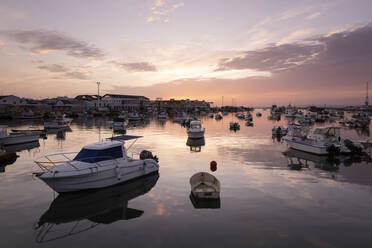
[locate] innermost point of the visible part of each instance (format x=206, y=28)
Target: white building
x=10, y=100
x=116, y=102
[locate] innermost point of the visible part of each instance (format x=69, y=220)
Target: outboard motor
x=355, y=149
x=333, y=150
x=148, y=155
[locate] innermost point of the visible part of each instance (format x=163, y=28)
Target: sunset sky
x=255, y=52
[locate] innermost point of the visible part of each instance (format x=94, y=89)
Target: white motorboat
x=279, y=130
x=118, y=125
x=97, y=165
x=195, y=131
x=205, y=186
x=323, y=141
x=58, y=123
x=16, y=138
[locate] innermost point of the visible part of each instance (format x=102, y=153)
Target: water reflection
x=349, y=168
x=195, y=144
x=103, y=206
x=7, y=158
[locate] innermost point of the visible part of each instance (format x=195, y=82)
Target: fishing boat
x=323, y=141
x=205, y=186
x=16, y=138
x=195, y=131
x=97, y=165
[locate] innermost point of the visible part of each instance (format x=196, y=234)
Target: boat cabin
x=101, y=151
x=195, y=124
x=332, y=132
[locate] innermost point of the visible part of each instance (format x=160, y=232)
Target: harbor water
x=264, y=201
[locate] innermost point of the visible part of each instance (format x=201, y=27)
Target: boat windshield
x=94, y=156
x=195, y=126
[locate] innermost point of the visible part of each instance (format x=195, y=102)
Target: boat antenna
x=366, y=102
x=98, y=84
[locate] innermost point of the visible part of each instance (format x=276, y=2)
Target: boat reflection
x=21, y=147
x=6, y=158
x=195, y=144
x=74, y=213
x=298, y=160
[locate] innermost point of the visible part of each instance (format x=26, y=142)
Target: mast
x=98, y=84
x=366, y=102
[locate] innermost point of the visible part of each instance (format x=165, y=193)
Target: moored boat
x=205, y=186
x=195, y=131
x=97, y=165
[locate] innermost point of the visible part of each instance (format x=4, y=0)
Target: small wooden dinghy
x=205, y=186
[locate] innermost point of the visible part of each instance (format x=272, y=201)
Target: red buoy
x=213, y=165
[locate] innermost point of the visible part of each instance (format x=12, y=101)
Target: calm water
x=263, y=202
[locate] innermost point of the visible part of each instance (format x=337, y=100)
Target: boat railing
x=49, y=161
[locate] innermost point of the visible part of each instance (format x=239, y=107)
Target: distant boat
x=195, y=131
x=118, y=125
x=16, y=138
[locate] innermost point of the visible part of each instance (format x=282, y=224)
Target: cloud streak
x=64, y=72
x=44, y=41
x=136, y=67
x=162, y=9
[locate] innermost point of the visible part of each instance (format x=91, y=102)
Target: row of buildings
x=14, y=106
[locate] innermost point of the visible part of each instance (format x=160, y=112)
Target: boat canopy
x=94, y=155
x=328, y=131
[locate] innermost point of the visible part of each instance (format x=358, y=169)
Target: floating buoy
x=213, y=166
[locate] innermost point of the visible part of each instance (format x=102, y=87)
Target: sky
x=250, y=52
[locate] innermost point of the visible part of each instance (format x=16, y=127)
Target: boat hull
x=195, y=135
x=302, y=146
x=99, y=179
x=9, y=140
